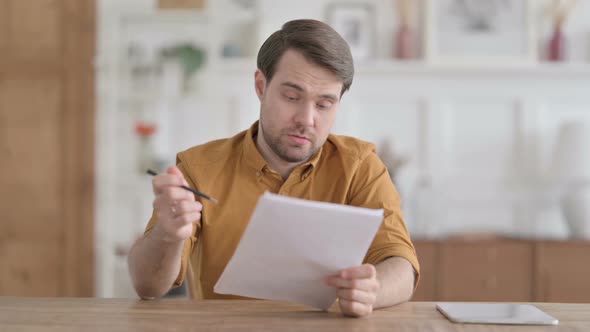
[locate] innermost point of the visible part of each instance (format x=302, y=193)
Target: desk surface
x=88, y=315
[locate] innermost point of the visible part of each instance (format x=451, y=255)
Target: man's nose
x=305, y=115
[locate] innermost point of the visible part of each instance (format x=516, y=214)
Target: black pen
x=194, y=191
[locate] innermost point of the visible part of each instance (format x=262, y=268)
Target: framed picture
x=181, y=4
x=479, y=32
x=355, y=23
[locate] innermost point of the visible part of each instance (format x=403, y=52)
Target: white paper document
x=291, y=245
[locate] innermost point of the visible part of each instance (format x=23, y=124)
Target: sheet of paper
x=291, y=245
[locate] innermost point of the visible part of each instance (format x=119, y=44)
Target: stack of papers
x=291, y=245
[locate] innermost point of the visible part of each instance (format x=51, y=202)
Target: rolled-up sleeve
x=372, y=187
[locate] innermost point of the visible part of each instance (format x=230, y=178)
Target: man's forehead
x=297, y=72
x=294, y=63
x=293, y=76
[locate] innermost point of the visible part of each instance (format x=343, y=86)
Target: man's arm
x=391, y=280
x=155, y=259
x=396, y=278
x=154, y=264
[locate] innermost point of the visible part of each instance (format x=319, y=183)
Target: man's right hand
x=176, y=207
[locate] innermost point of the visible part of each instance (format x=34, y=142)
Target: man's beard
x=283, y=151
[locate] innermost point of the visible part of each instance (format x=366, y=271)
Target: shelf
x=237, y=65
x=386, y=67
x=417, y=67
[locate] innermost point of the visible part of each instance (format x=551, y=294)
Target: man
x=303, y=71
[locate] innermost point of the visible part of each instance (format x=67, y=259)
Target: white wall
x=479, y=139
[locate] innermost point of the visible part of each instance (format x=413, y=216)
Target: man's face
x=297, y=107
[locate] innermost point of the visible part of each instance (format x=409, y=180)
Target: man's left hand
x=357, y=289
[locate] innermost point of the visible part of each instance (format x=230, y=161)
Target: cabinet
x=495, y=271
x=503, y=270
x=427, y=252
x=563, y=272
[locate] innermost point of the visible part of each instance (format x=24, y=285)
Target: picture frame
x=480, y=32
x=182, y=4
x=355, y=22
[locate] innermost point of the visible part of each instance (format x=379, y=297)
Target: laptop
x=495, y=313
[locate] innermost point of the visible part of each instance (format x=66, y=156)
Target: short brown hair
x=317, y=41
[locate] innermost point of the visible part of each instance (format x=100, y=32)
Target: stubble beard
x=285, y=152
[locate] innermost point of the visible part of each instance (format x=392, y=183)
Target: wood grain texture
x=78, y=148
x=47, y=147
x=35, y=29
x=503, y=270
x=89, y=315
x=499, y=270
x=4, y=32
x=563, y=272
x=427, y=252
x=30, y=268
x=30, y=186
x=30, y=129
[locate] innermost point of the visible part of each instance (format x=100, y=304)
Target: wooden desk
x=88, y=315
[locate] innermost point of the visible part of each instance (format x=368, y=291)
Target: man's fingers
x=184, y=207
x=359, y=272
x=176, y=194
x=173, y=170
x=356, y=295
x=171, y=207
x=187, y=218
x=172, y=177
x=163, y=181
x=368, y=285
x=355, y=309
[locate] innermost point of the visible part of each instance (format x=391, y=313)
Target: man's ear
x=259, y=83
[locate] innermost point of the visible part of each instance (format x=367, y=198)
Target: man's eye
x=324, y=106
x=291, y=98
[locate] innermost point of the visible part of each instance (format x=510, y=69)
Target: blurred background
x=479, y=108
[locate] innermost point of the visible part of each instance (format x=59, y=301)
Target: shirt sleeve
x=372, y=188
x=189, y=245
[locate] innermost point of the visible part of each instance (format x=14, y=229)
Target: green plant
x=190, y=57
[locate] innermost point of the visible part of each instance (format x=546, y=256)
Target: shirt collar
x=251, y=154
x=255, y=160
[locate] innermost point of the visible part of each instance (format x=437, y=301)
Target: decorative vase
x=146, y=152
x=403, y=42
x=556, y=51
x=576, y=209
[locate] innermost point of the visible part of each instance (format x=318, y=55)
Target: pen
x=194, y=191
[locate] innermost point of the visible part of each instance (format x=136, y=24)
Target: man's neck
x=274, y=162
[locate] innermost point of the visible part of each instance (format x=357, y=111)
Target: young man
x=303, y=71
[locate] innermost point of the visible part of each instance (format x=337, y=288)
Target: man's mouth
x=299, y=139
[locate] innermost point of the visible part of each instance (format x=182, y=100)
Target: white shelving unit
x=430, y=111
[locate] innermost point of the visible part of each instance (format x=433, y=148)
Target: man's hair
x=316, y=41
